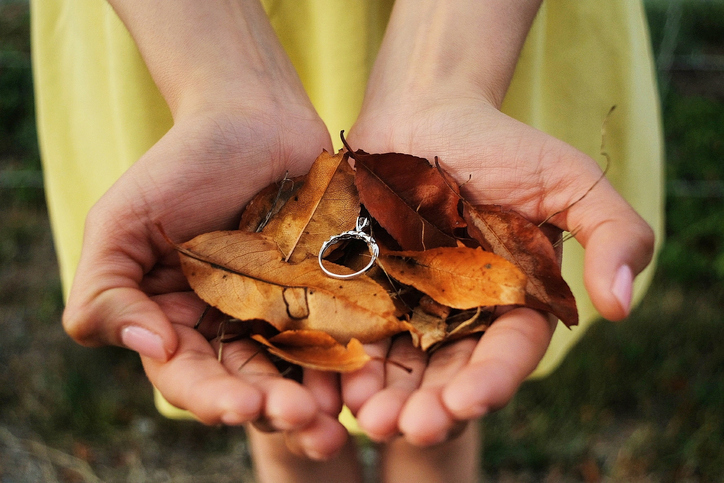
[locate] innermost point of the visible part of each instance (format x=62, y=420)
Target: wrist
x=211, y=55
x=451, y=49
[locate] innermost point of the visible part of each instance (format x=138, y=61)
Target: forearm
x=453, y=46
x=210, y=52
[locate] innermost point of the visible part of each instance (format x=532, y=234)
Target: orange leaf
x=316, y=350
x=242, y=274
x=461, y=277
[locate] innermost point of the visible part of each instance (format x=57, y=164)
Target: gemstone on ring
x=356, y=234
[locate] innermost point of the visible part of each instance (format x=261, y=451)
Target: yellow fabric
x=580, y=59
x=98, y=109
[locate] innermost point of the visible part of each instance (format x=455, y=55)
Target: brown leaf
x=316, y=350
x=268, y=202
x=519, y=241
x=429, y=306
x=409, y=198
x=466, y=323
x=243, y=275
x=432, y=330
x=326, y=205
x=429, y=329
x=460, y=277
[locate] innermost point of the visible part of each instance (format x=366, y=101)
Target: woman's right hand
x=241, y=121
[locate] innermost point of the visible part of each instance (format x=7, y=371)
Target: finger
x=194, y=380
x=183, y=308
x=287, y=404
x=105, y=305
x=324, y=386
x=424, y=419
x=122, y=316
x=506, y=354
x=378, y=416
x=616, y=251
x=618, y=242
x=359, y=386
x=320, y=441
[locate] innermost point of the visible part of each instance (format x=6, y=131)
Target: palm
x=194, y=180
x=500, y=161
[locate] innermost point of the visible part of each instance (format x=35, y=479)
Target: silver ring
x=356, y=234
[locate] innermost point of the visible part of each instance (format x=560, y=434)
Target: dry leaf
x=429, y=329
x=316, y=350
x=468, y=322
x=428, y=305
x=446, y=289
x=409, y=198
x=242, y=274
x=460, y=277
x=268, y=202
x=432, y=330
x=326, y=205
x=519, y=241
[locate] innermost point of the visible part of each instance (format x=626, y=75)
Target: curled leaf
x=267, y=203
x=316, y=350
x=429, y=329
x=519, y=241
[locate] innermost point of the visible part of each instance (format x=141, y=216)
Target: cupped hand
x=129, y=290
x=499, y=161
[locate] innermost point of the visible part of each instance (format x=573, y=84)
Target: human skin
x=435, y=91
x=241, y=120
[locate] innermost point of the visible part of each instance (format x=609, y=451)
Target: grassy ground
x=638, y=401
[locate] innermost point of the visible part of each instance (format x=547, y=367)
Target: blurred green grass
x=641, y=400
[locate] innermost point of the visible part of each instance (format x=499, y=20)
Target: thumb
x=122, y=316
x=618, y=244
x=106, y=305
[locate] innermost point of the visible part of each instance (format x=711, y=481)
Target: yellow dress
x=98, y=110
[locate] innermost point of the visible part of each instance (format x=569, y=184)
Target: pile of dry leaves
x=444, y=268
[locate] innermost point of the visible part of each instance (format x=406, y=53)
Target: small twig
x=394, y=286
x=565, y=238
x=274, y=204
x=201, y=317
x=422, y=231
x=286, y=371
x=220, y=335
x=243, y=364
x=447, y=183
x=604, y=153
x=385, y=360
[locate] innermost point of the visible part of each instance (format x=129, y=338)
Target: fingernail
x=464, y=403
x=316, y=455
x=623, y=286
x=144, y=342
x=231, y=418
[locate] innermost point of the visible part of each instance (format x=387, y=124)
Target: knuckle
x=77, y=326
x=454, y=354
x=644, y=239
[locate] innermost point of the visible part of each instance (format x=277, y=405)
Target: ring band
x=356, y=234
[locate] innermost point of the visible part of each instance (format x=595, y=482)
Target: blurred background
x=638, y=401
